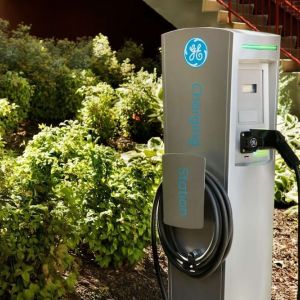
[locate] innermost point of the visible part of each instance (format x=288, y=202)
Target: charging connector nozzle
x=256, y=139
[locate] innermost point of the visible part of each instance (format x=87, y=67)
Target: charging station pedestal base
x=217, y=84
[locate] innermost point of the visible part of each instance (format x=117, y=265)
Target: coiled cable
x=195, y=263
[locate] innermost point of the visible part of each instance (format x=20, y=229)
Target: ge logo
x=195, y=52
x=253, y=142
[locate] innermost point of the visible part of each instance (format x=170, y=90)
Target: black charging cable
x=256, y=139
x=197, y=263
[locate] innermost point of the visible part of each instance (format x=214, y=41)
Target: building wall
x=118, y=19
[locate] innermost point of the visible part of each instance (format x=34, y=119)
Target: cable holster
x=256, y=139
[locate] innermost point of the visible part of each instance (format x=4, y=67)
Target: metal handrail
x=283, y=11
x=290, y=5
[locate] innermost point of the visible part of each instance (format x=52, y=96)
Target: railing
x=275, y=16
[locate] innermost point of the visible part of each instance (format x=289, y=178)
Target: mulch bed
x=139, y=282
x=285, y=257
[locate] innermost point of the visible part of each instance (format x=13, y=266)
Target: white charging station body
x=218, y=83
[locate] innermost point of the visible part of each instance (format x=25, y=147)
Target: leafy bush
x=74, y=54
x=18, y=91
x=66, y=189
x=135, y=53
x=37, y=228
x=54, y=69
x=285, y=183
x=105, y=64
x=120, y=232
x=97, y=112
x=134, y=110
x=284, y=97
x=140, y=107
x=289, y=126
x=8, y=120
x=54, y=97
x=34, y=250
x=34, y=244
x=8, y=116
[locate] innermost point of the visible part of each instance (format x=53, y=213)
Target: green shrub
x=135, y=53
x=105, y=64
x=56, y=97
x=289, y=126
x=8, y=116
x=54, y=69
x=39, y=216
x=18, y=91
x=285, y=183
x=75, y=54
x=97, y=112
x=80, y=57
x=91, y=53
x=284, y=97
x=8, y=120
x=37, y=230
x=64, y=190
x=34, y=250
x=120, y=230
x=112, y=196
x=7, y=161
x=140, y=107
x=55, y=84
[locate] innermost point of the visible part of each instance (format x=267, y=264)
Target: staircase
x=275, y=16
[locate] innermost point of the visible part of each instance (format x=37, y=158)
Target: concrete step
x=223, y=17
x=261, y=20
x=294, y=51
x=270, y=28
x=290, y=10
x=244, y=8
x=211, y=5
x=288, y=41
x=235, y=2
x=289, y=65
x=240, y=25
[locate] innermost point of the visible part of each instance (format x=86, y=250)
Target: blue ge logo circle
x=195, y=52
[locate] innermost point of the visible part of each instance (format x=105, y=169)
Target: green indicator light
x=261, y=153
x=259, y=47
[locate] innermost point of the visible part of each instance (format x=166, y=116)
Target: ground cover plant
x=84, y=184
x=289, y=126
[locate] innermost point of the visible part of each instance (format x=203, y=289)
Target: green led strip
x=259, y=47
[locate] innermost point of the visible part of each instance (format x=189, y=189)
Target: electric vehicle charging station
x=218, y=84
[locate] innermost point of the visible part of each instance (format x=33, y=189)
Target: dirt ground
x=139, y=282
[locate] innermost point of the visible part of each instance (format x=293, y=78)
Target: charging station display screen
x=249, y=88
